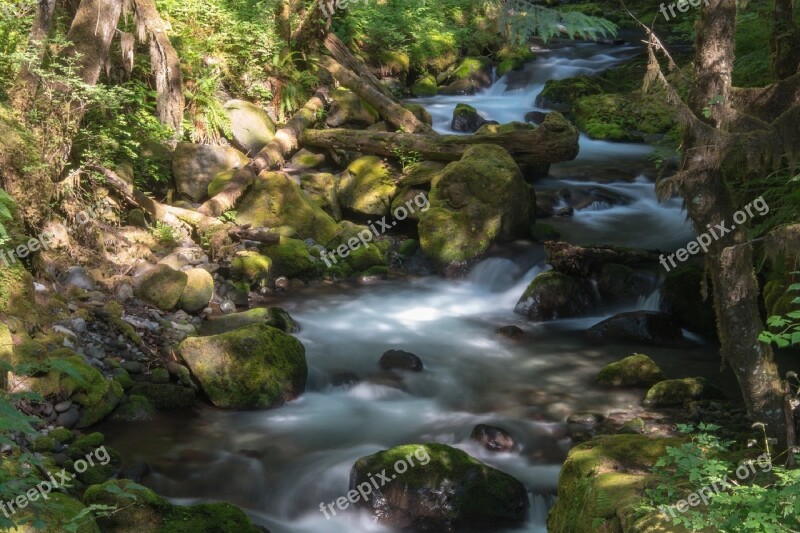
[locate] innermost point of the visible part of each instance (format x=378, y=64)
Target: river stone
x=635, y=371
x=198, y=291
x=196, y=165
x=251, y=127
x=400, y=360
x=466, y=119
x=270, y=316
x=420, y=112
x=553, y=295
x=253, y=367
x=162, y=286
x=367, y=186
x=493, y=438
x=442, y=489
x=349, y=110
x=680, y=391
x=424, y=87
x=637, y=326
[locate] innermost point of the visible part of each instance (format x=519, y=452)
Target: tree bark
x=553, y=141
x=397, y=115
x=24, y=90
x=271, y=157
x=785, y=40
x=342, y=54
x=165, y=64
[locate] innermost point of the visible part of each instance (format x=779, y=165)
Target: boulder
x=250, y=266
x=561, y=94
x=274, y=201
x=442, y=489
x=348, y=110
x=196, y=165
x=535, y=117
x=494, y=127
x=253, y=367
x=162, y=286
x=198, y=291
x=321, y=188
x=477, y=70
x=638, y=326
x=513, y=58
x=305, y=159
x=466, y=119
x=552, y=295
x=420, y=173
x=270, y=316
x=620, y=283
x=367, y=186
x=424, y=87
x=493, y=438
x=475, y=202
x=291, y=258
x=421, y=113
x=400, y=360
x=635, y=371
x=251, y=127
x=673, y=392
x=56, y=514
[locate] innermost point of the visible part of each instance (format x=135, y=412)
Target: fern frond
x=523, y=20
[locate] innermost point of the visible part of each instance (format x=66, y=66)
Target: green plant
x=164, y=233
x=407, y=157
x=229, y=216
x=293, y=85
x=522, y=19
x=209, y=119
x=6, y=204
x=786, y=329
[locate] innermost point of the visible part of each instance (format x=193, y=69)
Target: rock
x=136, y=218
x=493, y=438
x=349, y=110
x=253, y=367
x=78, y=277
x=682, y=297
x=420, y=112
x=565, y=212
x=560, y=95
x=151, y=512
x=196, y=165
x=198, y=291
x=424, y=87
x=136, y=409
x=291, y=258
x=367, y=186
x=623, y=117
x=478, y=70
x=475, y=202
x=635, y=371
x=250, y=266
x=400, y=360
x=322, y=189
x=535, y=117
x=513, y=58
x=162, y=286
x=60, y=407
x=124, y=292
x=680, y=391
x=466, y=119
x=159, y=376
x=69, y=418
x=305, y=159
x=274, y=201
x=420, y=173
x=270, y=316
x=552, y=295
x=165, y=397
x=510, y=332
x=637, y=326
x=446, y=490
x=495, y=127
x=251, y=127
x=57, y=514
x=622, y=284
x=459, y=88
x=344, y=379
x=408, y=248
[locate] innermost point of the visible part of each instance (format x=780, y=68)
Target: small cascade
x=651, y=302
x=496, y=274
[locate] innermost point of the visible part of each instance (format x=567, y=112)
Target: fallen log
x=582, y=261
x=262, y=235
x=342, y=54
x=553, y=141
x=387, y=107
x=271, y=157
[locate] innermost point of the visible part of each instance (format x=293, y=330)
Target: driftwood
x=394, y=113
x=555, y=140
x=583, y=261
x=271, y=157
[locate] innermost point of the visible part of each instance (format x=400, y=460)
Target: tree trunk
x=165, y=63
x=91, y=33
x=340, y=53
x=397, y=115
x=24, y=90
x=271, y=157
x=553, y=141
x=785, y=40
x=709, y=202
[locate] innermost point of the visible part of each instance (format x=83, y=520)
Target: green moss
x=635, y=371
x=122, y=377
x=44, y=444
x=425, y=87
x=376, y=271
x=562, y=94
x=251, y=266
x=679, y=391
x=85, y=444
x=135, y=409
x=167, y=396
x=55, y=515
x=198, y=292
x=159, y=375
x=252, y=367
x=367, y=186
x=16, y=293
x=512, y=58
x=94, y=413
x=470, y=67
x=270, y=316
x=420, y=112
x=505, y=128
x=395, y=63
x=162, y=286
x=365, y=257
x=290, y=258
x=219, y=182
x=62, y=435
x=408, y=247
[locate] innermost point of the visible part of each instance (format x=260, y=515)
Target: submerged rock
x=552, y=295
x=494, y=438
x=441, y=489
x=400, y=360
x=638, y=326
x=635, y=371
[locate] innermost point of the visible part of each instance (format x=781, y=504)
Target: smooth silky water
x=280, y=464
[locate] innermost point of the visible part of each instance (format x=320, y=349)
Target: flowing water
x=281, y=464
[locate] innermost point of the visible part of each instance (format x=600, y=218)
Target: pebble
x=132, y=366
x=69, y=418
x=124, y=292
x=64, y=331
x=96, y=352
x=60, y=407
x=78, y=325
x=227, y=307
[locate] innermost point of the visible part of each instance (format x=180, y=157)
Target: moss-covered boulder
x=421, y=113
x=405, y=200
x=367, y=186
x=196, y=165
x=198, y=291
x=475, y=202
x=322, y=189
x=251, y=127
x=420, y=173
x=165, y=396
x=219, y=182
x=250, y=266
x=424, y=87
x=17, y=297
x=505, y=128
x=561, y=94
x=620, y=283
x=349, y=110
x=305, y=159
x=252, y=367
x=513, y=58
x=441, y=489
x=682, y=297
x=274, y=201
x=270, y=316
x=601, y=486
x=680, y=391
x=604, y=117
x=466, y=119
x=553, y=295
x=140, y=509
x=635, y=371
x=162, y=286
x=290, y=258
x=55, y=514
x=477, y=71
x=394, y=63
x=135, y=409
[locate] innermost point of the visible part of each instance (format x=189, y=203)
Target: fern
x=523, y=20
x=6, y=204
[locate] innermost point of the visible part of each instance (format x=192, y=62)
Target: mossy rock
x=680, y=391
x=420, y=173
x=367, y=186
x=365, y=257
x=562, y=94
x=92, y=414
x=622, y=117
x=198, y=291
x=553, y=295
x=17, y=296
x=467, y=119
x=347, y=109
x=682, y=297
x=505, y=128
x=321, y=187
x=513, y=58
x=253, y=367
x=421, y=113
x=140, y=509
x=162, y=286
x=166, y=396
x=305, y=159
x=290, y=258
x=635, y=371
x=621, y=283
x=250, y=266
x=406, y=202
x=476, y=69
x=136, y=409
x=394, y=63
x=55, y=514
x=251, y=127
x=408, y=248
x=470, y=494
x=601, y=486
x=424, y=87
x=270, y=316
x=122, y=377
x=195, y=166
x=44, y=444
x=274, y=201
x=219, y=182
